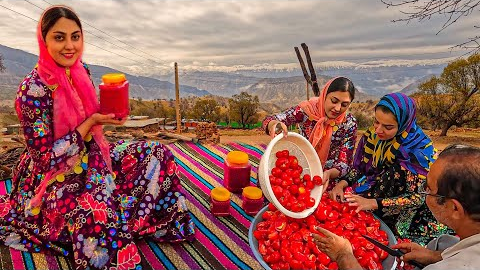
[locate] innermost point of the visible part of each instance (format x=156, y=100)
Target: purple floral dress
x=90, y=212
x=343, y=137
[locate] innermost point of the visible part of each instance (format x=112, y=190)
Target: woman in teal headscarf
x=390, y=167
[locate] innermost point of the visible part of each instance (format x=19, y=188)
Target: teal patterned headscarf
x=410, y=146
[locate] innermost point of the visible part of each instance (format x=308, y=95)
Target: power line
x=103, y=38
x=83, y=21
x=84, y=41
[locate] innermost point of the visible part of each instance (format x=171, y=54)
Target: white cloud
x=242, y=34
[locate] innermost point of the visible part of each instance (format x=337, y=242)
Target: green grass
x=237, y=125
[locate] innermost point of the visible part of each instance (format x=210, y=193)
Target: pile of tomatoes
x=290, y=188
x=285, y=243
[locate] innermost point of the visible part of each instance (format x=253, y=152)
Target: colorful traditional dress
x=89, y=211
x=343, y=137
x=392, y=171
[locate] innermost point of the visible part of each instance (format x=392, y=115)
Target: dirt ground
x=471, y=137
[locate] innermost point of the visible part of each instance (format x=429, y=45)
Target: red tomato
x=323, y=258
x=317, y=180
x=293, y=161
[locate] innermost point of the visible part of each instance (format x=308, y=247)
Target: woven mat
x=221, y=242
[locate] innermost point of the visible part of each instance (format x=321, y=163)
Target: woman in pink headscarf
x=70, y=185
x=327, y=125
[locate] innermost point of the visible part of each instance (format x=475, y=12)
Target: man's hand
x=331, y=244
x=414, y=251
x=337, y=248
x=361, y=203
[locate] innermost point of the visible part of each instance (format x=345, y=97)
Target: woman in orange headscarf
x=327, y=125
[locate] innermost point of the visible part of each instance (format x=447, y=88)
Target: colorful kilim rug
x=221, y=242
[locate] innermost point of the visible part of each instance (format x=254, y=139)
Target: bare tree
x=451, y=10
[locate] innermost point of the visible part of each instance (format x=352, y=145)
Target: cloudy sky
x=239, y=33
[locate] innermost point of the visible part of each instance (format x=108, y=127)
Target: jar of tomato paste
x=220, y=201
x=114, y=95
x=236, y=171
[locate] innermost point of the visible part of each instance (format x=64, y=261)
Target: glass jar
x=220, y=201
x=252, y=200
x=114, y=95
x=236, y=171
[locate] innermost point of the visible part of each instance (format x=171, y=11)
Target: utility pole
x=177, y=101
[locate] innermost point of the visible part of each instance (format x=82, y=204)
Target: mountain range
x=18, y=63
x=283, y=87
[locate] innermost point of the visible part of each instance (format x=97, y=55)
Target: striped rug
x=221, y=243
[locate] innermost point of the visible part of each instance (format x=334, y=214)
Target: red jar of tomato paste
x=114, y=95
x=236, y=171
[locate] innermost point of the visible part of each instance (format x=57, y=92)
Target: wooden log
x=177, y=136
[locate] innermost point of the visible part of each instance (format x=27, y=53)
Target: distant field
x=8, y=119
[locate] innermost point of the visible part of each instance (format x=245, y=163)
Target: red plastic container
x=114, y=95
x=236, y=171
x=220, y=202
x=252, y=200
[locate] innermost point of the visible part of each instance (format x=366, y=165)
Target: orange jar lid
x=237, y=157
x=220, y=194
x=113, y=78
x=252, y=193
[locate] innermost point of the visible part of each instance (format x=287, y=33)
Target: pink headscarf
x=322, y=132
x=72, y=103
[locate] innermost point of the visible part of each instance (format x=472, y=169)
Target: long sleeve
x=408, y=197
x=289, y=117
x=342, y=147
x=34, y=106
x=354, y=174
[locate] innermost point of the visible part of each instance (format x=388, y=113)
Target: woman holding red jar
x=72, y=186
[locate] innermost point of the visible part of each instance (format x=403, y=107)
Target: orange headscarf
x=322, y=132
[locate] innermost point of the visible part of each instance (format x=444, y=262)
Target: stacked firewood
x=207, y=132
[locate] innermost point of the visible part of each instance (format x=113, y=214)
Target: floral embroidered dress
x=90, y=211
x=343, y=138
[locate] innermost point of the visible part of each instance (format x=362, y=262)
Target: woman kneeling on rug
x=390, y=167
x=70, y=186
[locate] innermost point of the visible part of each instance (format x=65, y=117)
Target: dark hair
x=460, y=178
x=384, y=109
x=53, y=14
x=342, y=84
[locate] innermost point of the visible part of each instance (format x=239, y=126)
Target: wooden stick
x=313, y=75
x=302, y=65
x=177, y=101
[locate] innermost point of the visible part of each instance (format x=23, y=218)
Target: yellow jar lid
x=112, y=78
x=220, y=194
x=252, y=193
x=237, y=157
